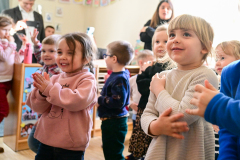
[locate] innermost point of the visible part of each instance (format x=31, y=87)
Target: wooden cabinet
x=21, y=117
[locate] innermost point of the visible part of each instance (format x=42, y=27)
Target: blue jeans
x=33, y=143
x=46, y=152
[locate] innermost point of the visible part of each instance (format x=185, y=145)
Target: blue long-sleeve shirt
x=224, y=111
x=115, y=95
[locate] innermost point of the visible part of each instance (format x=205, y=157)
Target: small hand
x=134, y=106
x=41, y=82
x=10, y=38
x=201, y=98
x=23, y=39
x=216, y=128
x=34, y=37
x=169, y=125
x=157, y=84
x=144, y=29
x=97, y=105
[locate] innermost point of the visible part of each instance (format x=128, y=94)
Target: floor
x=93, y=152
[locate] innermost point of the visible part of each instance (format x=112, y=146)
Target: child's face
x=49, y=54
x=145, y=62
x=5, y=31
x=66, y=61
x=165, y=11
x=160, y=44
x=185, y=48
x=222, y=60
x=49, y=31
x=109, y=60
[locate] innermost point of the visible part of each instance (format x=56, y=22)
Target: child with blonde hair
x=143, y=57
x=223, y=108
x=190, y=41
x=8, y=56
x=65, y=101
x=139, y=141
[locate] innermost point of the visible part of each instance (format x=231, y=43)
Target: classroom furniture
x=15, y=132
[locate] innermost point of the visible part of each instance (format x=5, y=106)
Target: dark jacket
x=144, y=79
x=17, y=16
x=146, y=36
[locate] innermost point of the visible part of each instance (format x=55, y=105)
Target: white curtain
x=4, y=4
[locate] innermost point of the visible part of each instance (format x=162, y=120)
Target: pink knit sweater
x=65, y=121
x=8, y=56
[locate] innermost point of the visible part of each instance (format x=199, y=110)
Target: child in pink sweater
x=65, y=101
x=8, y=56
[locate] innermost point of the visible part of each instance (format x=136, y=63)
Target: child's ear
x=86, y=61
x=115, y=60
x=140, y=62
x=204, y=51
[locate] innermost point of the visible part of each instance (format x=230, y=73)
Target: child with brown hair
x=65, y=100
x=114, y=98
x=8, y=56
x=45, y=54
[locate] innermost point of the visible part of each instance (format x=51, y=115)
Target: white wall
x=124, y=19
x=73, y=15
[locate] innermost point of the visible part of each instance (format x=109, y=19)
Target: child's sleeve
x=165, y=100
x=82, y=97
x=6, y=49
x=144, y=36
x=150, y=113
x=37, y=102
x=37, y=52
x=118, y=97
x=19, y=56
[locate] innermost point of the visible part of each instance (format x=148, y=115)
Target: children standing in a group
x=65, y=101
x=45, y=54
x=139, y=141
x=114, y=97
x=143, y=57
x=226, y=53
x=223, y=109
x=8, y=56
x=190, y=41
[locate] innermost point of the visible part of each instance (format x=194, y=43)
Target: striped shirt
x=50, y=69
x=198, y=143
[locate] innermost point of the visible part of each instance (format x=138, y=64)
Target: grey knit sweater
x=198, y=143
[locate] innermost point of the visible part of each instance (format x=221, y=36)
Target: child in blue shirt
x=223, y=109
x=114, y=97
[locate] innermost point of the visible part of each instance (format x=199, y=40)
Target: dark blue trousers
x=113, y=137
x=46, y=152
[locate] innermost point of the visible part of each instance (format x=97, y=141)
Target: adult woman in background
x=163, y=14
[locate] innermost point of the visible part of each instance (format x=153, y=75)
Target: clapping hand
x=41, y=82
x=201, y=98
x=169, y=125
x=157, y=84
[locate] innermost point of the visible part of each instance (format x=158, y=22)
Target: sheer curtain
x=4, y=4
